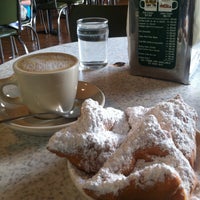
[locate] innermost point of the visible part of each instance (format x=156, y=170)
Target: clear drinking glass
x=92, y=41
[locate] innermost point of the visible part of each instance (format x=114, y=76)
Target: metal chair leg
x=67, y=20
x=23, y=44
x=35, y=35
x=41, y=15
x=58, y=21
x=49, y=23
x=12, y=47
x=15, y=46
x=1, y=52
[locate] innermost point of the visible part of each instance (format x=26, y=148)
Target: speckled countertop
x=29, y=172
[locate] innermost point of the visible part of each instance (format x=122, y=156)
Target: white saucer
x=46, y=127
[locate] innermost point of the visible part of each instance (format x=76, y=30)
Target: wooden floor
x=46, y=40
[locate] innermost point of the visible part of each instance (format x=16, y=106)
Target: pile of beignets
x=137, y=154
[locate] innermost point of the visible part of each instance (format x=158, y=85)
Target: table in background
x=28, y=171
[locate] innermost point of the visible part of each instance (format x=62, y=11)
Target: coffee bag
x=163, y=38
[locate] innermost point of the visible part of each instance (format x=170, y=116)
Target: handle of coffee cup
x=174, y=2
x=141, y=4
x=5, y=82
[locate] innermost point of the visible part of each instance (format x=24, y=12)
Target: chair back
x=116, y=15
x=9, y=11
x=30, y=18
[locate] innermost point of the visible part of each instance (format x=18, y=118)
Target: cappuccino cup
x=47, y=82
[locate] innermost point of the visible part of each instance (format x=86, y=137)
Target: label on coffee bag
x=157, y=33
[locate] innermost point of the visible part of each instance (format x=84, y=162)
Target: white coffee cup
x=47, y=82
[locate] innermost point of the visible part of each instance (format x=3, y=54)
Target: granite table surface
x=28, y=171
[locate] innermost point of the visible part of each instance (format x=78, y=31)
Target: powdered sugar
x=145, y=147
x=95, y=135
x=177, y=118
x=164, y=159
x=79, y=178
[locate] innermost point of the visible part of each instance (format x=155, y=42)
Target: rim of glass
x=92, y=19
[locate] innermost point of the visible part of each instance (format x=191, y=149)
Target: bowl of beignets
x=138, y=154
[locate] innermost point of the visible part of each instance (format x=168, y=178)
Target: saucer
x=46, y=127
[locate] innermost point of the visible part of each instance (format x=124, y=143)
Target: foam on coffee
x=46, y=62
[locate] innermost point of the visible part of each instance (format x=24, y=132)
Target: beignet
x=137, y=154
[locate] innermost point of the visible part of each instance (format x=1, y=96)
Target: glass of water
x=92, y=41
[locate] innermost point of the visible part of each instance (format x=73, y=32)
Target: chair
x=10, y=33
x=10, y=13
x=60, y=6
x=30, y=23
x=116, y=15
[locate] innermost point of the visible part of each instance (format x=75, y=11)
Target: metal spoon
x=71, y=115
x=40, y=116
x=43, y=116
